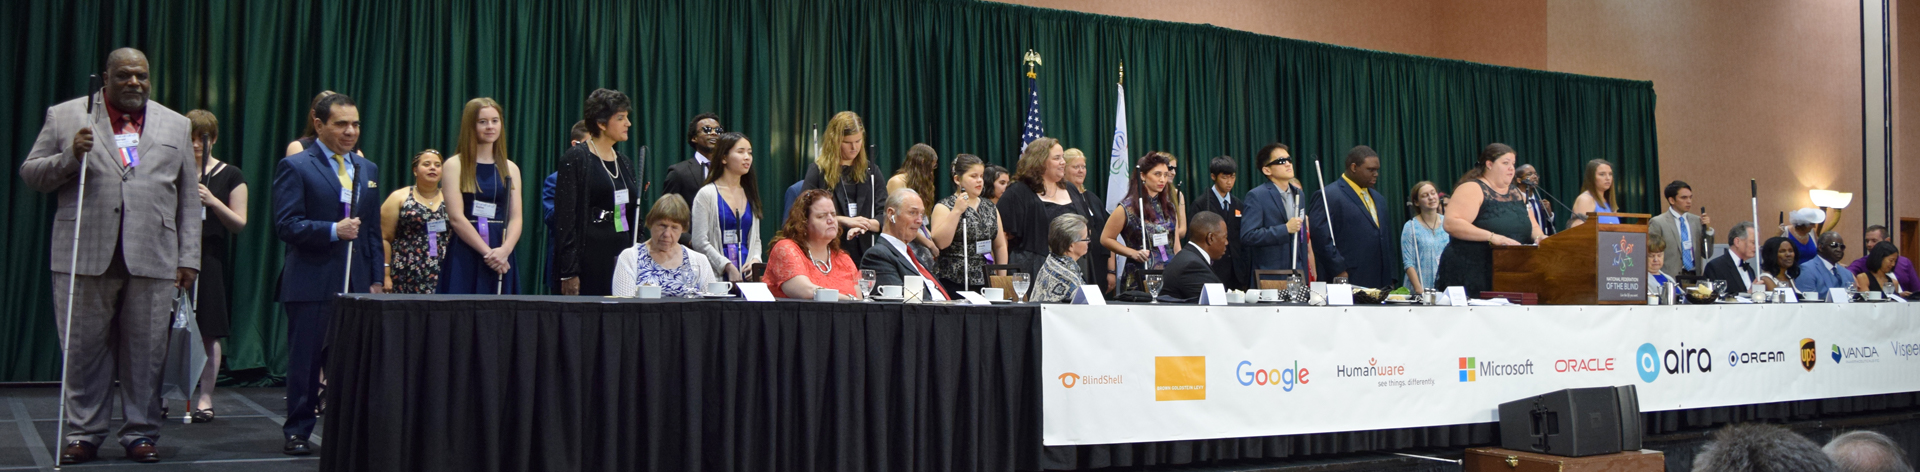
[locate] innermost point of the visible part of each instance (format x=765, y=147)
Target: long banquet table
x=488, y=383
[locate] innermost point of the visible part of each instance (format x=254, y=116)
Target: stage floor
x=244, y=437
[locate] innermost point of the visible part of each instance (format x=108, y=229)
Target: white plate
x=716, y=295
x=878, y=298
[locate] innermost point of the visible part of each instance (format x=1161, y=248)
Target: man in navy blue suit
x=322, y=202
x=1350, y=241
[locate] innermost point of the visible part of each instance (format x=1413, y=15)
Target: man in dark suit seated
x=1233, y=270
x=1349, y=241
x=1192, y=269
x=890, y=259
x=1736, y=266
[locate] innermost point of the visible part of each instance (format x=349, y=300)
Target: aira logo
x=1650, y=361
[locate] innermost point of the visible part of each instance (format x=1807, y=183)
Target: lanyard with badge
x=983, y=247
x=484, y=210
x=434, y=228
x=731, y=237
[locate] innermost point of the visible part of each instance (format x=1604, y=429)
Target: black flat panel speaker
x=1574, y=422
x=1630, y=429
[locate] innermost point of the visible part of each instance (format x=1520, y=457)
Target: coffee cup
x=719, y=288
x=1236, y=297
x=1270, y=294
x=826, y=295
x=992, y=293
x=648, y=291
x=889, y=291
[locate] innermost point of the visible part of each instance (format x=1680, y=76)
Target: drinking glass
x=1020, y=283
x=865, y=284
x=1153, y=282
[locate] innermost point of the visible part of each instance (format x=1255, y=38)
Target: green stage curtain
x=947, y=73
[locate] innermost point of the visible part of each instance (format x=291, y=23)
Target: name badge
x=484, y=209
x=853, y=209
x=1160, y=239
x=731, y=236
x=346, y=196
x=620, y=196
x=983, y=247
x=203, y=213
x=437, y=226
x=126, y=140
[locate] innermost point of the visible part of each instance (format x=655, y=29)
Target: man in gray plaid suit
x=139, y=239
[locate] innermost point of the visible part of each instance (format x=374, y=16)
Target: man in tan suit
x=140, y=238
x=1688, y=236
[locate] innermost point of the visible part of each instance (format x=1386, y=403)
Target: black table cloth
x=484, y=383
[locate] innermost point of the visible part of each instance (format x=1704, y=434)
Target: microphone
x=1535, y=184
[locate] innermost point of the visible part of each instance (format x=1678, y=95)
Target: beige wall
x=1766, y=89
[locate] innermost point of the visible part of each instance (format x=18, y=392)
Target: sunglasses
x=1837, y=245
x=712, y=129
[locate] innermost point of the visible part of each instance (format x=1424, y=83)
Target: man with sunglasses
x=1825, y=272
x=1273, y=218
x=686, y=177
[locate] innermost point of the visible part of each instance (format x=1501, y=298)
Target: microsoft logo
x=1466, y=370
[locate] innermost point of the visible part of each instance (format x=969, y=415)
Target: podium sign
x=1621, y=266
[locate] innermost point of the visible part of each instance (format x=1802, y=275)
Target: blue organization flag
x=1034, y=130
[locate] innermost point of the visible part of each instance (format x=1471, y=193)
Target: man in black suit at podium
x=1233, y=271
x=1192, y=268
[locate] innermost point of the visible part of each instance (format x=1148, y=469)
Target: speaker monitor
x=1573, y=422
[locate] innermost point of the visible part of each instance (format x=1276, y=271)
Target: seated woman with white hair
x=1060, y=274
x=661, y=261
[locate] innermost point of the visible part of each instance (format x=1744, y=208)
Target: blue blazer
x=1815, y=278
x=1363, y=250
x=306, y=204
x=1263, y=232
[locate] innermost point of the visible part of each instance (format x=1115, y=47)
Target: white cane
x=966, y=263
x=1324, y=202
x=346, y=279
x=1753, y=186
x=73, y=276
x=1140, y=207
x=1295, y=261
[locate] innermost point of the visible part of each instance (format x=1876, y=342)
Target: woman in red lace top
x=806, y=252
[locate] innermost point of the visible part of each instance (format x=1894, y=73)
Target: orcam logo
x=1069, y=380
x=1735, y=358
x=1283, y=378
x=1179, y=378
x=1809, y=353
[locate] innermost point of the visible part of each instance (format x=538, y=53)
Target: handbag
x=186, y=356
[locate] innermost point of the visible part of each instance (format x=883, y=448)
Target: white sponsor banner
x=1126, y=374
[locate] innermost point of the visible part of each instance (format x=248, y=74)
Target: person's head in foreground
x=1756, y=447
x=1866, y=451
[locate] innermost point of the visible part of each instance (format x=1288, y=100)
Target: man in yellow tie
x=1347, y=236
x=324, y=200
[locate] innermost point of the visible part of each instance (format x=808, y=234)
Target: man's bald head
x=128, y=85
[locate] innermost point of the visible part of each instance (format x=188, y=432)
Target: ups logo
x=1808, y=354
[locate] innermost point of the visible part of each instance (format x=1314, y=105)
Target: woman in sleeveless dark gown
x=1485, y=211
x=482, y=189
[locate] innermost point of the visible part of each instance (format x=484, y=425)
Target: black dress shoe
x=297, y=446
x=77, y=452
x=143, y=450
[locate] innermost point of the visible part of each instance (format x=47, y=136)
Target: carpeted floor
x=245, y=436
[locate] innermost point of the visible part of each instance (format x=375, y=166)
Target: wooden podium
x=1567, y=268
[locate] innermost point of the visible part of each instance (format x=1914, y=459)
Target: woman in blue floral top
x=679, y=271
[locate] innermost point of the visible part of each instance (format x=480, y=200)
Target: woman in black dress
x=1485, y=211
x=845, y=170
x=595, y=200
x=1038, y=194
x=223, y=193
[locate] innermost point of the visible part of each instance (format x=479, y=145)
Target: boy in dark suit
x=1232, y=271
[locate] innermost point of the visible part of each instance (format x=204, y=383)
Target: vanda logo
x=1855, y=355
x=1651, y=361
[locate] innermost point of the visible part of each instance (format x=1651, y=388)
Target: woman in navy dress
x=483, y=205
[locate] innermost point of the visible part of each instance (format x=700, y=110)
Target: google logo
x=1264, y=377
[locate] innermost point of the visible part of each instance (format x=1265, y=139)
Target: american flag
x=1033, y=128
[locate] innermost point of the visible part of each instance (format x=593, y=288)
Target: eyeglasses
x=712, y=129
x=1836, y=245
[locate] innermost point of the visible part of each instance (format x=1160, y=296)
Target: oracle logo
x=1583, y=365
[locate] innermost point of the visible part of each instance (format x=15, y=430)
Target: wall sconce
x=1831, y=200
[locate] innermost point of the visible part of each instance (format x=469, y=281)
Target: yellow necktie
x=347, y=182
x=1365, y=199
